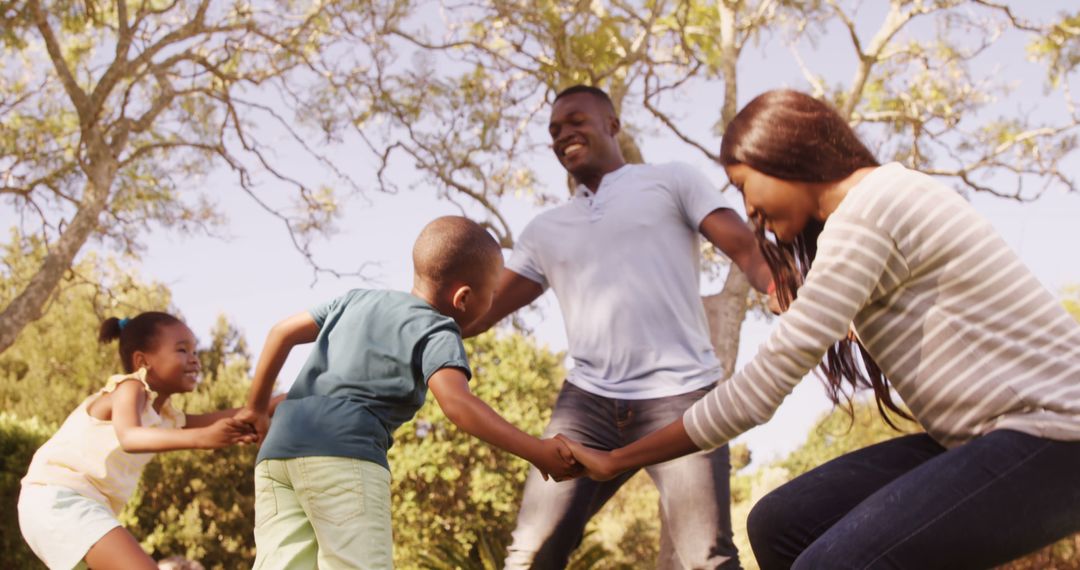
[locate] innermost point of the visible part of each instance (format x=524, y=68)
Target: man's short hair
x=589, y=89
x=454, y=249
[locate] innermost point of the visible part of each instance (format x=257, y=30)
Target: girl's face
x=782, y=206
x=173, y=365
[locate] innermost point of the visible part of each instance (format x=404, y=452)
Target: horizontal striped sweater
x=967, y=336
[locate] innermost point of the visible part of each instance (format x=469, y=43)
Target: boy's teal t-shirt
x=366, y=375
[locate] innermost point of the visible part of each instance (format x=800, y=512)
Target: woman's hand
x=599, y=466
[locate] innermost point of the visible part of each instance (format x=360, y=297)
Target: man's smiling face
x=583, y=129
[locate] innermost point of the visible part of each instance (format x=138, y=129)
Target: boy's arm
x=202, y=420
x=726, y=230
x=300, y=328
x=461, y=406
x=662, y=445
x=512, y=292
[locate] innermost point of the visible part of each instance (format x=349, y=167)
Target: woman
x=986, y=360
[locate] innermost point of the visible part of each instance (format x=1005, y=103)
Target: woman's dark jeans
x=910, y=503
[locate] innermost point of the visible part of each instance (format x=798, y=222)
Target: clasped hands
x=563, y=458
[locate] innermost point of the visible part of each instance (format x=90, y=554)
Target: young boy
x=322, y=481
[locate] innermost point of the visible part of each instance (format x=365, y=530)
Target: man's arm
x=512, y=292
x=726, y=230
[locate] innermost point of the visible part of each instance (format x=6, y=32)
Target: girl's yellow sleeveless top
x=85, y=456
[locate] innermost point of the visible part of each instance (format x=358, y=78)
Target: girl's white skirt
x=61, y=525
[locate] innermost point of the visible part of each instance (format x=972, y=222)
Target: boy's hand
x=226, y=432
x=555, y=459
x=259, y=422
x=597, y=464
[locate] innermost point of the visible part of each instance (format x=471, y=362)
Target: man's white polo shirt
x=625, y=265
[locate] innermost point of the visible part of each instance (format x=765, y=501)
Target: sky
x=255, y=277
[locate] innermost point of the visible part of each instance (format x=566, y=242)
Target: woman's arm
x=851, y=258
x=662, y=445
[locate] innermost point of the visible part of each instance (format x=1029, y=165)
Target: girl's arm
x=128, y=401
x=300, y=328
x=203, y=420
x=461, y=406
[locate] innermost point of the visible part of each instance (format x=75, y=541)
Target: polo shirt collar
x=582, y=191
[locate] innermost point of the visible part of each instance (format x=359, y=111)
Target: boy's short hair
x=454, y=249
x=595, y=92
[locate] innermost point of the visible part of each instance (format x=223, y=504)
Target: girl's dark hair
x=793, y=136
x=137, y=333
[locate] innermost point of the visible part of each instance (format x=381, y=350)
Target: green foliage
x=1072, y=301
x=1059, y=48
x=456, y=498
x=59, y=354
x=838, y=433
x=19, y=439
x=193, y=503
x=452, y=492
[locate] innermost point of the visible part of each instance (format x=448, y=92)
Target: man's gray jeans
x=694, y=490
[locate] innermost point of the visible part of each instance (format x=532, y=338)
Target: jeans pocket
x=265, y=498
x=335, y=488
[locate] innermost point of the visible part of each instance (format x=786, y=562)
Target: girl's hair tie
x=123, y=323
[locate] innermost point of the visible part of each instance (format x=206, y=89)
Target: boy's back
x=322, y=482
x=365, y=377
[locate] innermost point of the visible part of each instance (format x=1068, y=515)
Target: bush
x=451, y=490
x=19, y=439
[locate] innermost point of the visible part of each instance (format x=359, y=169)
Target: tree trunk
x=725, y=312
x=727, y=309
x=26, y=307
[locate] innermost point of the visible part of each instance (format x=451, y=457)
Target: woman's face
x=782, y=206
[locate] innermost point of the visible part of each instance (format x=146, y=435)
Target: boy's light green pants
x=322, y=512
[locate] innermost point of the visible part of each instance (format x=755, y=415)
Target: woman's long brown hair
x=790, y=135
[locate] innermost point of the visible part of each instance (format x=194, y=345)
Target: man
x=623, y=258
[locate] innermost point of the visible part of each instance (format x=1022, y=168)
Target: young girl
x=82, y=477
x=985, y=358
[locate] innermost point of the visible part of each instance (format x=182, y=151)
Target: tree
x=469, y=111
x=59, y=354
x=466, y=100
x=1072, y=301
x=113, y=113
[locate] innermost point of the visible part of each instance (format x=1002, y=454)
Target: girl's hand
x=598, y=464
x=226, y=432
x=258, y=422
